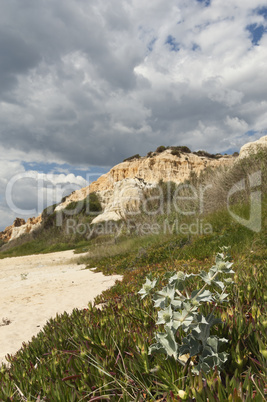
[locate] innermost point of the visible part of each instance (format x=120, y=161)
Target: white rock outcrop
x=253, y=147
x=123, y=199
x=31, y=225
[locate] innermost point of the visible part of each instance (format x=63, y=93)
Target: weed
x=24, y=276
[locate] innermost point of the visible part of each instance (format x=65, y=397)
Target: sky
x=85, y=84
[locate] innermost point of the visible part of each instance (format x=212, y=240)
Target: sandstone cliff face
x=7, y=233
x=121, y=189
x=163, y=166
x=19, y=228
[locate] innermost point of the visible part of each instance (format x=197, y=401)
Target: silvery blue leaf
x=168, y=342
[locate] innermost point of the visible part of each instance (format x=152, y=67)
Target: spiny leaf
x=166, y=342
x=164, y=297
x=204, y=296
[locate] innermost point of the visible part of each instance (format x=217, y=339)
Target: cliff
x=122, y=188
x=20, y=227
x=162, y=166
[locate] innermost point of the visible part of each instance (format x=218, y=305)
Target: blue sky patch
x=230, y=151
x=250, y=133
x=151, y=44
x=256, y=32
x=195, y=47
x=262, y=11
x=171, y=41
x=205, y=2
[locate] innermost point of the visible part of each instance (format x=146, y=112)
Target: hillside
x=130, y=178
x=111, y=351
x=121, y=191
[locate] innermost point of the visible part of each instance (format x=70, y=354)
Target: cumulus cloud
x=26, y=193
x=91, y=83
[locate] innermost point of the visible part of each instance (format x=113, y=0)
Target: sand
x=35, y=288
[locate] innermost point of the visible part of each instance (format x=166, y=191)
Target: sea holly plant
x=179, y=311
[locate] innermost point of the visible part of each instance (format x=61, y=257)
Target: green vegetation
x=206, y=154
x=90, y=205
x=176, y=152
x=187, y=332
x=180, y=148
x=102, y=353
x=161, y=148
x=131, y=158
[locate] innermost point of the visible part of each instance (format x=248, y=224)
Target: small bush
x=181, y=310
x=49, y=211
x=181, y=148
x=90, y=204
x=95, y=204
x=161, y=148
x=136, y=156
x=204, y=153
x=175, y=152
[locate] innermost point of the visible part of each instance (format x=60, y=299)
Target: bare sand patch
x=35, y=288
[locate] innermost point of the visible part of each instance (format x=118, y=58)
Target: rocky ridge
x=20, y=227
x=121, y=189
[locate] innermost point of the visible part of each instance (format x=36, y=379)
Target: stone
x=20, y=227
x=123, y=199
x=253, y=147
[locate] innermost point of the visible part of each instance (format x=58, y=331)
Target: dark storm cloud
x=16, y=57
x=82, y=83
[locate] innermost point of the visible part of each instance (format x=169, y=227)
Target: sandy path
x=34, y=288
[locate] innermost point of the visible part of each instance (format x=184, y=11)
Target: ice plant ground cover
x=104, y=353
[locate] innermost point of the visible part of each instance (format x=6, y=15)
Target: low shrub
x=204, y=153
x=90, y=204
x=131, y=158
x=175, y=152
x=161, y=148
x=181, y=148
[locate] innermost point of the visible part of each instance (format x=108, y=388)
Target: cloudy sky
x=86, y=83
